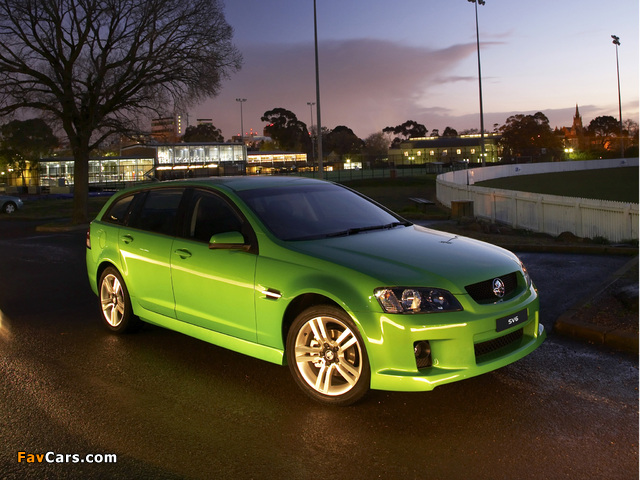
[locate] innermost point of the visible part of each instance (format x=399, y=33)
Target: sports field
x=617, y=184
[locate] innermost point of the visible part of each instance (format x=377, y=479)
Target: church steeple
x=577, y=121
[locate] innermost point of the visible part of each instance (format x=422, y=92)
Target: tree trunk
x=81, y=183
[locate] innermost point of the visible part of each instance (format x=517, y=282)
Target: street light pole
x=319, y=122
x=313, y=147
x=482, y=150
x=616, y=42
x=241, y=100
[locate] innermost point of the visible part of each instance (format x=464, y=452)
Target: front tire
x=115, y=303
x=10, y=208
x=327, y=356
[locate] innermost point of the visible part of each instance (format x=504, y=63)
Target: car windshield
x=317, y=211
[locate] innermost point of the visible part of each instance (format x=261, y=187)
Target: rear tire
x=115, y=303
x=327, y=356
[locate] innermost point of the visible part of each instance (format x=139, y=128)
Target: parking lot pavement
x=172, y=407
x=608, y=316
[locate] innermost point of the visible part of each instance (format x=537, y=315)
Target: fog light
x=422, y=351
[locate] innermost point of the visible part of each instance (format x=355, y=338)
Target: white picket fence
x=552, y=214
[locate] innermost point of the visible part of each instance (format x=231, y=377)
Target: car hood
x=414, y=256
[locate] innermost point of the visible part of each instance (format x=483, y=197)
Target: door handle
x=126, y=238
x=183, y=253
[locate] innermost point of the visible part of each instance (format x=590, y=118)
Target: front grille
x=482, y=292
x=490, y=346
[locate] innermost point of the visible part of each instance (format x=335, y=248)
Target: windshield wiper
x=350, y=231
x=356, y=230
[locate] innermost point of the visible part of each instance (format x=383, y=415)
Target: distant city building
x=276, y=162
x=168, y=129
x=447, y=150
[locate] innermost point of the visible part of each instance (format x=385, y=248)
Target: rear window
x=159, y=212
x=119, y=210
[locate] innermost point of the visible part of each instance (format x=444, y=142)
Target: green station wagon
x=314, y=275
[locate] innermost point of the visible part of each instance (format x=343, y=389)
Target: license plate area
x=512, y=320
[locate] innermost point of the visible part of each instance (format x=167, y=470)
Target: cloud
x=365, y=84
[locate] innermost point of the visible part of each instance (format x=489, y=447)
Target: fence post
x=493, y=206
x=540, y=205
x=578, y=218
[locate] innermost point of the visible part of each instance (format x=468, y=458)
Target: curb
x=48, y=227
x=568, y=325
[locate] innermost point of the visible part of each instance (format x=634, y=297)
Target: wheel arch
x=102, y=267
x=300, y=304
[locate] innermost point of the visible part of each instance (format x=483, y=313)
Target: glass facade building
x=198, y=155
x=175, y=160
x=59, y=172
x=170, y=161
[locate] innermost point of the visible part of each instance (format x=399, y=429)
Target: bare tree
x=97, y=65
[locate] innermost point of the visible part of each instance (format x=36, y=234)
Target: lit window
x=406, y=154
x=444, y=152
x=432, y=153
x=419, y=153
x=473, y=150
x=458, y=151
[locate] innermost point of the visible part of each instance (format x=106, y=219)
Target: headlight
x=416, y=300
x=527, y=278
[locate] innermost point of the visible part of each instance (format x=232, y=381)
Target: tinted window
x=313, y=211
x=119, y=210
x=210, y=214
x=160, y=211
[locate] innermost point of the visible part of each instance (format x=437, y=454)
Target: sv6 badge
x=511, y=320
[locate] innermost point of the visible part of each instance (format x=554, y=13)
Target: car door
x=145, y=249
x=214, y=288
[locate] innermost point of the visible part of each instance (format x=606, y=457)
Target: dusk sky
x=383, y=62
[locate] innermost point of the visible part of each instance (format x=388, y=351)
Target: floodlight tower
x=482, y=150
x=616, y=42
x=319, y=122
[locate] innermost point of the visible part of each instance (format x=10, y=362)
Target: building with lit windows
x=166, y=162
x=447, y=150
x=179, y=160
x=168, y=129
x=56, y=174
x=276, y=162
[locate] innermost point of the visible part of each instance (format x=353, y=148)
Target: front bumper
x=465, y=346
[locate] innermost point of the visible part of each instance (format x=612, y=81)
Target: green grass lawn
x=395, y=194
x=616, y=184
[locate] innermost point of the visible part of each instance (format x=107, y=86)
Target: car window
x=119, y=210
x=315, y=211
x=159, y=211
x=210, y=214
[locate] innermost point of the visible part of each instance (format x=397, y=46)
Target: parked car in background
x=9, y=204
x=314, y=275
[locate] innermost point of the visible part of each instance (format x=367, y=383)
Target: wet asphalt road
x=173, y=407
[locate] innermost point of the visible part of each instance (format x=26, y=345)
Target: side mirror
x=228, y=241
